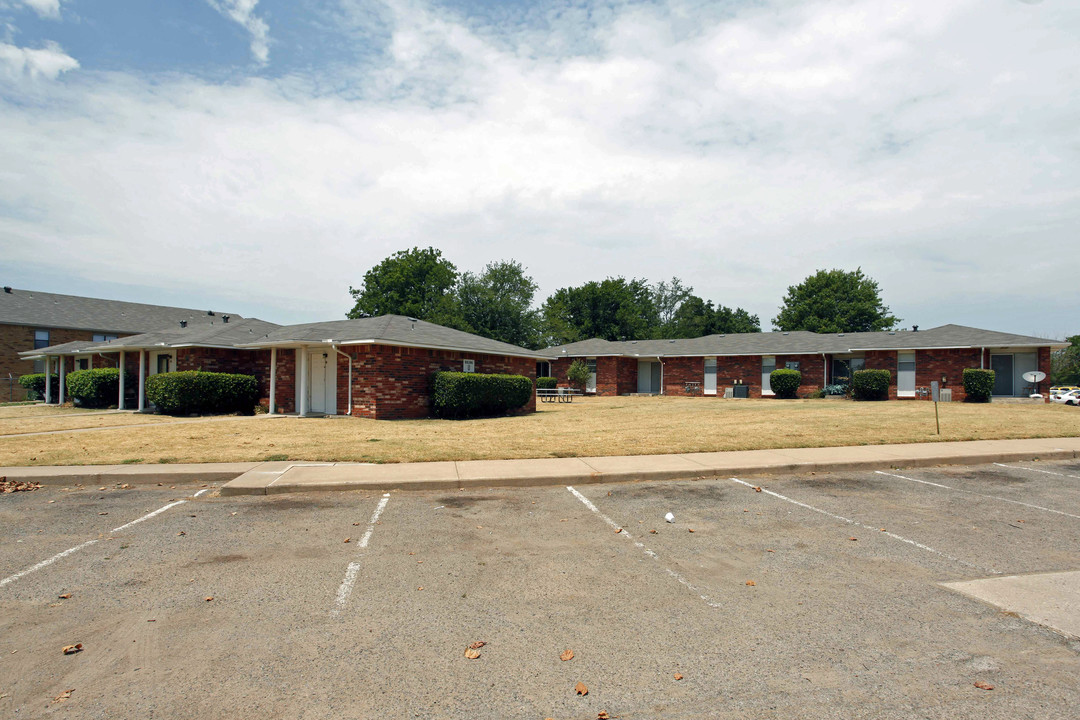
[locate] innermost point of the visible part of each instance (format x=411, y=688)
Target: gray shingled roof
x=76, y=346
x=800, y=343
x=49, y=310
x=390, y=330
x=201, y=332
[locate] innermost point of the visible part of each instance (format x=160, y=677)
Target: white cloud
x=49, y=62
x=44, y=8
x=933, y=144
x=243, y=12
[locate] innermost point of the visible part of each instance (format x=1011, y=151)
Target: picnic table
x=563, y=394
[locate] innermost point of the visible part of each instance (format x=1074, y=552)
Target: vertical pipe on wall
x=142, y=380
x=349, y=358
x=273, y=380
x=982, y=358
x=123, y=366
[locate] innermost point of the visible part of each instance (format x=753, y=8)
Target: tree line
x=498, y=303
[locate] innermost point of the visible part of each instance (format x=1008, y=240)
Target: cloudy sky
x=260, y=155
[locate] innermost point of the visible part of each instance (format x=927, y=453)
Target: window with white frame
x=468, y=366
x=41, y=340
x=103, y=338
x=768, y=364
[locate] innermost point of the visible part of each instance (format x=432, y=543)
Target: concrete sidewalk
x=282, y=477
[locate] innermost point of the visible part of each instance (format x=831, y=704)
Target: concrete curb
x=131, y=474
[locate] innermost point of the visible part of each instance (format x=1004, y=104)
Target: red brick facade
x=684, y=376
x=390, y=382
x=15, y=339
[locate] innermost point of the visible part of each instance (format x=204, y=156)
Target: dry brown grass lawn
x=43, y=418
x=593, y=426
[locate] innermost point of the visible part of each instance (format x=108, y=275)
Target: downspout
x=824, y=371
x=982, y=358
x=349, y=358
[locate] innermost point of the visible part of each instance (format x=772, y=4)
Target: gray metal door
x=1002, y=365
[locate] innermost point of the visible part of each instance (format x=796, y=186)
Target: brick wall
x=19, y=338
x=392, y=382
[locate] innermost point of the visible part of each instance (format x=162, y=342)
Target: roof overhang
x=329, y=342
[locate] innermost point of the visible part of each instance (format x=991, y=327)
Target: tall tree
x=1065, y=364
x=831, y=301
x=613, y=309
x=668, y=298
x=419, y=283
x=497, y=304
x=697, y=317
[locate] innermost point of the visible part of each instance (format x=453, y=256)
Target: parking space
x=770, y=597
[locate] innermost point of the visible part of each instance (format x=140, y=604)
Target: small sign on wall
x=468, y=366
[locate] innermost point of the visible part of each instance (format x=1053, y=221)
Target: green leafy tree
x=697, y=317
x=497, y=304
x=613, y=309
x=1065, y=364
x=668, y=297
x=418, y=283
x=832, y=301
x=578, y=374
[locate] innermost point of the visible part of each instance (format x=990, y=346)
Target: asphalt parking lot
x=817, y=596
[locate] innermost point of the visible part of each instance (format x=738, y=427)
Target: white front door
x=590, y=385
x=905, y=374
x=710, y=376
x=322, y=382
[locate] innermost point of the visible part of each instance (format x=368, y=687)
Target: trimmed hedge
x=547, y=383
x=870, y=384
x=203, y=393
x=462, y=395
x=785, y=383
x=978, y=385
x=35, y=385
x=96, y=388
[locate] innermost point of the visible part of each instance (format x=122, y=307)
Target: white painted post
x=302, y=401
x=63, y=368
x=120, y=402
x=142, y=380
x=48, y=380
x=273, y=380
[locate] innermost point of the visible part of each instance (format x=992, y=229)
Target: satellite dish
x=1035, y=376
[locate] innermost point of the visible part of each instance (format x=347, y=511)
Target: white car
x=1070, y=398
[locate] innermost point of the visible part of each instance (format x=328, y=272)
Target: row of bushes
x=874, y=384
x=462, y=395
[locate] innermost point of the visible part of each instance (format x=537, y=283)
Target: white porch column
x=48, y=380
x=273, y=380
x=302, y=381
x=142, y=380
x=120, y=402
x=63, y=369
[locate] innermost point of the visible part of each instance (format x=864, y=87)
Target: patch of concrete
x=1049, y=599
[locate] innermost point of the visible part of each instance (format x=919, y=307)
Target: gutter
x=349, y=358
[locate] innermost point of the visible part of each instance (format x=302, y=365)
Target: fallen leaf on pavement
x=63, y=696
x=757, y=488
x=181, y=533
x=566, y=655
x=478, y=644
x=770, y=551
x=348, y=539
x=690, y=529
x=471, y=653
x=355, y=524
x=65, y=596
x=104, y=513
x=125, y=486
x=72, y=649
x=853, y=539
x=580, y=689
x=751, y=583
x=984, y=685
x=603, y=715
x=420, y=588
x=209, y=598
x=678, y=676
x=652, y=532
x=618, y=530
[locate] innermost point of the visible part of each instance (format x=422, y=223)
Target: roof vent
x=671, y=341
x=839, y=334
x=183, y=323
x=785, y=333
x=914, y=328
x=224, y=318
x=210, y=313
x=892, y=332
x=7, y=289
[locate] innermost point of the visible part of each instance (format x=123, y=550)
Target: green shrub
x=870, y=384
x=547, y=383
x=96, y=388
x=785, y=383
x=837, y=389
x=203, y=393
x=816, y=395
x=978, y=385
x=35, y=385
x=461, y=395
x=578, y=374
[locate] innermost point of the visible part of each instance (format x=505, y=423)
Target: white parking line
x=349, y=581
x=991, y=497
x=642, y=547
x=878, y=531
x=88, y=543
x=1038, y=470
